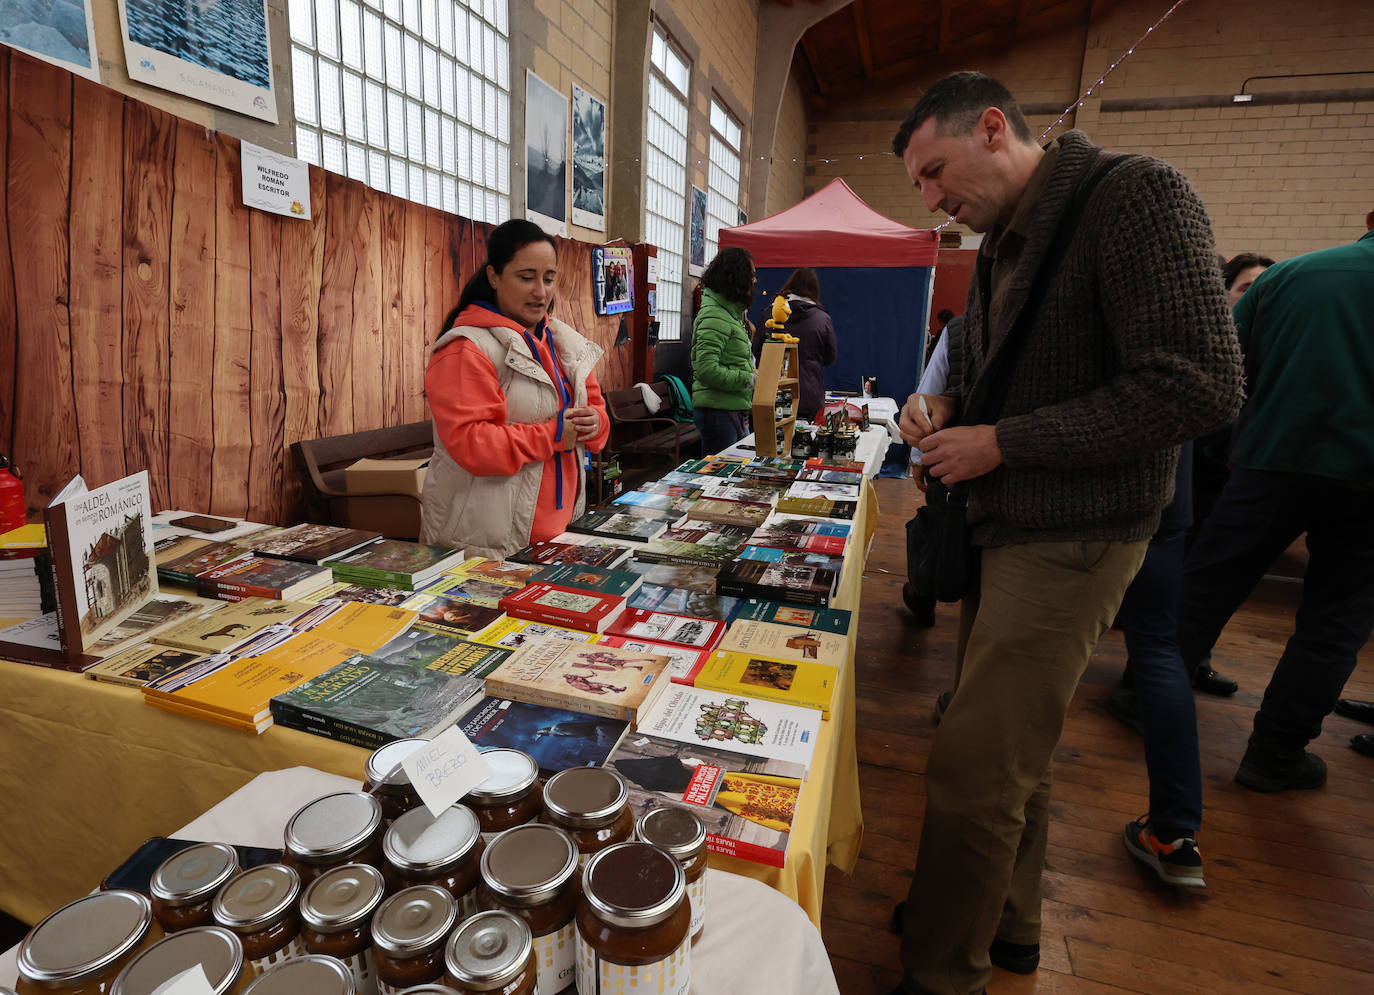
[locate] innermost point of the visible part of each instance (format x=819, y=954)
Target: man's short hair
x=956, y=103
x=1241, y=262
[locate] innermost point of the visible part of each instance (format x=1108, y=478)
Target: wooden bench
x=657, y=442
x=321, y=463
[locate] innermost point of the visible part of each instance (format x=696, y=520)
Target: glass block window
x=665, y=179
x=722, y=179
x=409, y=96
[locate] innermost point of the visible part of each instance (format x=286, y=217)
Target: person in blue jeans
x=1157, y=692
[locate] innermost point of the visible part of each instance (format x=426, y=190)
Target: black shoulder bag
x=941, y=560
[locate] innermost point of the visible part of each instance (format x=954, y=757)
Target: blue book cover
x=555, y=737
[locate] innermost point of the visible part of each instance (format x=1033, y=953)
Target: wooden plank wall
x=149, y=320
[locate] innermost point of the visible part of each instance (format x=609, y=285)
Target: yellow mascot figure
x=781, y=312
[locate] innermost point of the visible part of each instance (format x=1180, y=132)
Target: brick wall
x=786, y=172
x=1278, y=179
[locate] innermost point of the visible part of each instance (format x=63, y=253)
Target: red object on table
x=13, y=508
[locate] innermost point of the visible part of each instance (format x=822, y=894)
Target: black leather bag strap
x=989, y=393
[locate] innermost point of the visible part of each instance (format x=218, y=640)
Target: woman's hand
x=584, y=422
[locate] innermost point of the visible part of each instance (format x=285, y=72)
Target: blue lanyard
x=565, y=401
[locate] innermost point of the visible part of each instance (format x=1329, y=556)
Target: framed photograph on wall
x=589, y=160
x=546, y=155
x=56, y=33
x=613, y=279
x=214, y=51
x=696, y=253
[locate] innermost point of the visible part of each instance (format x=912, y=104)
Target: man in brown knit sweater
x=1128, y=351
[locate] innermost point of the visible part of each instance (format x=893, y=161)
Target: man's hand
x=914, y=426
x=584, y=422
x=961, y=453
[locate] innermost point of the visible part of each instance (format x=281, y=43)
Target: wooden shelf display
x=779, y=366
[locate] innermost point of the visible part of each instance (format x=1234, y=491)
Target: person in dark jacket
x=811, y=324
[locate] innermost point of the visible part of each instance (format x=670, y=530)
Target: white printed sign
x=445, y=770
x=275, y=183
x=652, y=270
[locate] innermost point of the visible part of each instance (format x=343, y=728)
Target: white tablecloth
x=755, y=939
x=870, y=448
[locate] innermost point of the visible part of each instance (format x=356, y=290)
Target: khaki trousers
x=1024, y=640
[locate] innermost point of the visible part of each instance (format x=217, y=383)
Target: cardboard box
x=386, y=476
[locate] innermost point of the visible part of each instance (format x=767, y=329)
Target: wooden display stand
x=778, y=368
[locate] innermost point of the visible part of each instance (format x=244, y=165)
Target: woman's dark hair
x=804, y=283
x=1241, y=262
x=731, y=275
x=503, y=242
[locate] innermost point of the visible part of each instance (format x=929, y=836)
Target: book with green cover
x=478, y=590
x=826, y=619
x=817, y=507
x=370, y=702
x=395, y=563
x=434, y=649
x=185, y=568
x=311, y=543
x=588, y=578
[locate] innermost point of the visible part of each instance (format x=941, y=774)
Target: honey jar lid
x=194, y=874
x=342, y=897
x=513, y=772
x=417, y=990
x=489, y=950
x=674, y=829
x=256, y=897
x=419, y=843
x=84, y=938
x=414, y=921
x=214, y=948
x=530, y=864
x=318, y=974
x=586, y=797
x=633, y=884
x=387, y=759
x=333, y=824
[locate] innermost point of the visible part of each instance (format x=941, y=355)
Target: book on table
x=621, y=583
x=828, y=475
x=666, y=505
x=826, y=491
x=684, y=601
x=619, y=525
x=693, y=547
x=513, y=633
x=803, y=542
x=140, y=664
x=807, y=525
x=262, y=577
x=395, y=563
x=738, y=723
x=311, y=543
x=598, y=680
x=451, y=612
x=194, y=561
x=714, y=466
x=759, y=473
x=683, y=662
x=754, y=491
x=370, y=702
x=507, y=572
x=37, y=641
x=221, y=629
x=577, y=609
x=747, y=803
x=150, y=618
x=443, y=651
x=791, y=682
x=666, y=627
x=101, y=545
x=690, y=576
x=843, y=465
x=777, y=580
x=554, y=551
x=817, y=507
x=688, y=491
x=23, y=542
x=478, y=590
x=723, y=511
x=786, y=642
x=557, y=738
x=834, y=620
x=358, y=592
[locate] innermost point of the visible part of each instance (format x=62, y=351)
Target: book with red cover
x=262, y=577
x=667, y=627
x=590, y=611
x=798, y=540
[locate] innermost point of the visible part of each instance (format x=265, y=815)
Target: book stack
x=700, y=546
x=262, y=577
x=808, y=535
x=618, y=525
x=596, y=680
x=311, y=543
x=588, y=610
x=559, y=551
x=395, y=564
x=182, y=559
x=805, y=578
x=221, y=629
x=723, y=511
x=21, y=584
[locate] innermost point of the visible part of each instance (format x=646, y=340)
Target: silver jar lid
x=673, y=829
x=84, y=938
x=414, y=921
x=257, y=897
x=513, y=772
x=333, y=825
x=489, y=950
x=194, y=874
x=432, y=990
x=633, y=884
x=529, y=865
x=386, y=761
x=586, y=797
x=317, y=974
x=418, y=843
x=342, y=897
x=214, y=948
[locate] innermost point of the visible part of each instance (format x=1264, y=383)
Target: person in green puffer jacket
x=722, y=362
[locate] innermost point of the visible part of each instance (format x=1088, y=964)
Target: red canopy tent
x=874, y=274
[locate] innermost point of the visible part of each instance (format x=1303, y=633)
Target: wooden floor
x=1290, y=899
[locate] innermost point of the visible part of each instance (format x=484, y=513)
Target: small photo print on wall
x=614, y=276
x=696, y=253
x=61, y=32
x=215, y=51
x=546, y=155
x=589, y=160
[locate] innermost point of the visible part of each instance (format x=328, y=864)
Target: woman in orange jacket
x=514, y=402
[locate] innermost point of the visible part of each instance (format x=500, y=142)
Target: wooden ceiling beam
x=865, y=42
x=809, y=50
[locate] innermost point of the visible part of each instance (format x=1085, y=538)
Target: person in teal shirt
x=1303, y=450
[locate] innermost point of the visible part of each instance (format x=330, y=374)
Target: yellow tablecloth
x=88, y=772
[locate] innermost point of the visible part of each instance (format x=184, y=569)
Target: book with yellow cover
x=221, y=629
x=363, y=626
x=802, y=683
x=241, y=725
x=480, y=590
x=242, y=688
x=513, y=633
x=506, y=572
x=786, y=642
x=595, y=680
